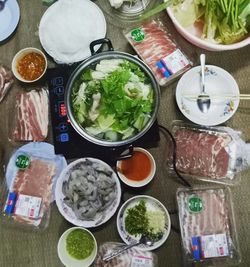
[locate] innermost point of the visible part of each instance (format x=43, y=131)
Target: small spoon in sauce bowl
x=143, y=240
x=2, y=4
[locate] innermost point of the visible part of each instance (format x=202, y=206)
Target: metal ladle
x=2, y=4
x=203, y=100
x=143, y=240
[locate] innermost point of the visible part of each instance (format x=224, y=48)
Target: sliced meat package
x=156, y=47
x=6, y=80
x=31, y=119
x=28, y=189
x=130, y=258
x=207, y=226
x=215, y=154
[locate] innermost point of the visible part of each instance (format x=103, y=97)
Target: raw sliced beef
x=6, y=80
x=31, y=122
x=35, y=181
x=201, y=153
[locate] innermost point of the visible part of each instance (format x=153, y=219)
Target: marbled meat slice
x=6, y=80
x=35, y=181
x=155, y=46
x=213, y=219
x=201, y=153
x=32, y=116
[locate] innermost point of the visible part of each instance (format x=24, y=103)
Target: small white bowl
x=143, y=182
x=69, y=261
x=193, y=35
x=20, y=55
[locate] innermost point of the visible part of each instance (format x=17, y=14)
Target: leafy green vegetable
x=118, y=99
x=225, y=21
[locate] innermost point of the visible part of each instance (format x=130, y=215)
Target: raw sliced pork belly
x=6, y=80
x=201, y=153
x=213, y=219
x=32, y=116
x=35, y=181
x=155, y=46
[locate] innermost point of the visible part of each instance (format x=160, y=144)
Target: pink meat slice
x=213, y=219
x=36, y=181
x=31, y=116
x=6, y=80
x=155, y=46
x=202, y=154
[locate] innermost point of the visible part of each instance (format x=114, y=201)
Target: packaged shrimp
x=207, y=225
x=214, y=154
x=29, y=185
x=157, y=48
x=132, y=257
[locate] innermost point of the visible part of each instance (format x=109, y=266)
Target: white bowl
x=68, y=260
x=193, y=35
x=20, y=55
x=218, y=82
x=103, y=215
x=143, y=182
x=151, y=203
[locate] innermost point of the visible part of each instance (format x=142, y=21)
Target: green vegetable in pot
x=113, y=99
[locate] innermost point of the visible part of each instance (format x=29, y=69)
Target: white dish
x=64, y=256
x=9, y=18
x=218, y=82
x=68, y=27
x=152, y=204
x=193, y=35
x=67, y=212
x=39, y=149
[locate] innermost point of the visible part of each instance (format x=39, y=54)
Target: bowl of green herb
x=77, y=247
x=143, y=215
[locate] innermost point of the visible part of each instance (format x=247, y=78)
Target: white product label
x=214, y=246
x=28, y=206
x=175, y=61
x=141, y=261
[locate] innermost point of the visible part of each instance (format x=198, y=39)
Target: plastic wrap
x=30, y=120
x=29, y=184
x=158, y=49
x=207, y=226
x=132, y=257
x=6, y=80
x=216, y=154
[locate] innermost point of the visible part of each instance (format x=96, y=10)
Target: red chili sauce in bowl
x=31, y=66
x=136, y=168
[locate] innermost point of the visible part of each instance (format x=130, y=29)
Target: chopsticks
x=231, y=97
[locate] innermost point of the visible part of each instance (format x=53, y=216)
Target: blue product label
x=196, y=248
x=10, y=204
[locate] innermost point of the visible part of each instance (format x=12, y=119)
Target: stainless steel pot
x=94, y=59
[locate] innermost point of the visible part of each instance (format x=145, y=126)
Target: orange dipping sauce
x=31, y=66
x=136, y=168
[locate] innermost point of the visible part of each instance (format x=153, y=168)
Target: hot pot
x=93, y=60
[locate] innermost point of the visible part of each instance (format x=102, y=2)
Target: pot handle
x=100, y=41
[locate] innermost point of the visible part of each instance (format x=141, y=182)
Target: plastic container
x=156, y=46
x=31, y=116
x=207, y=226
x=29, y=184
x=213, y=154
x=130, y=258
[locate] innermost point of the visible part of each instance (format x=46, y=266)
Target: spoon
x=143, y=240
x=203, y=100
x=2, y=4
